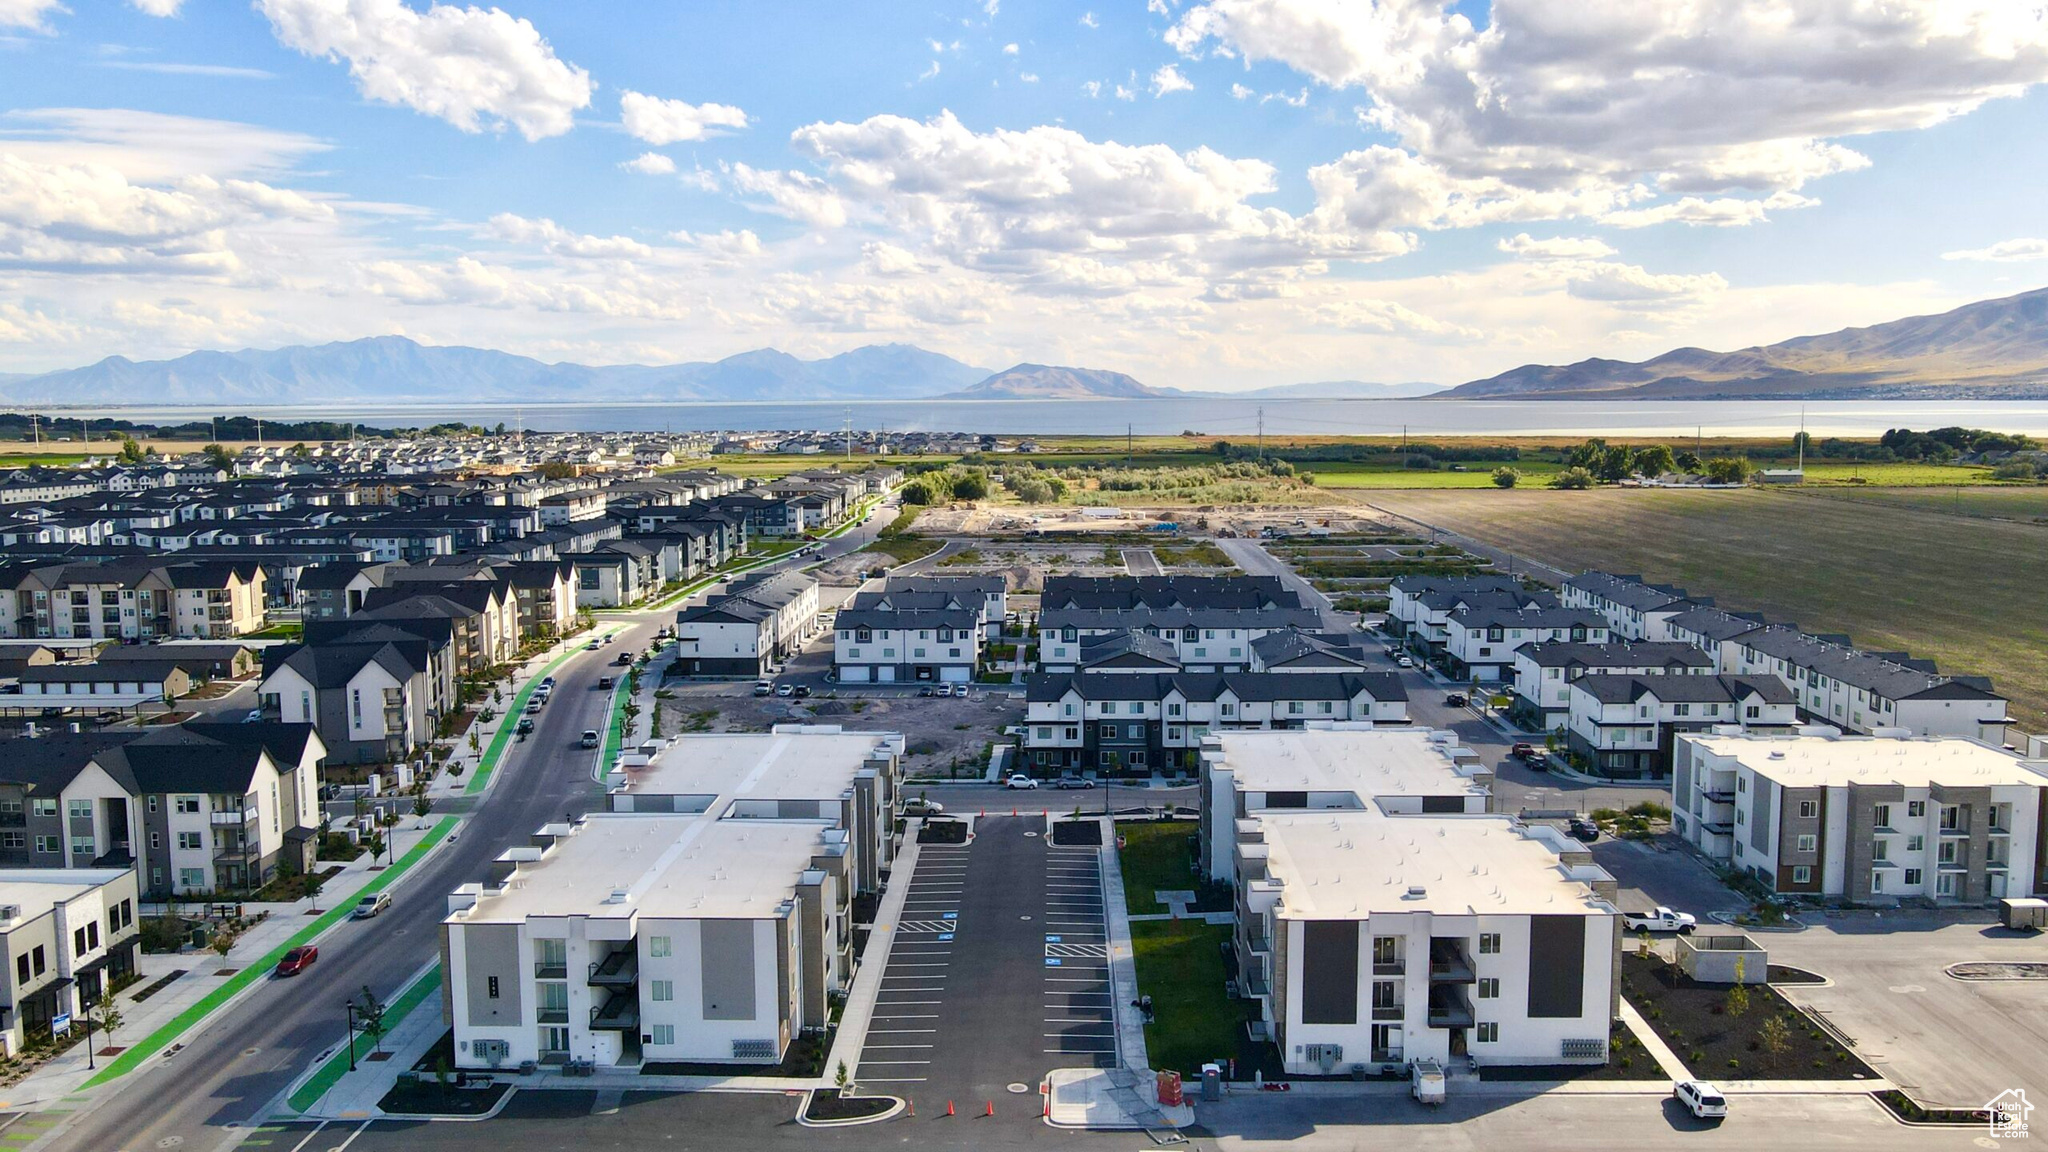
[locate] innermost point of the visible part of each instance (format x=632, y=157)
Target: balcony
x=621, y=1013
x=1382, y=1013
x=232, y=817
x=13, y=819
x=621, y=969
x=552, y=1014
x=550, y=969
x=1448, y=1007
x=1398, y=966
x=1448, y=963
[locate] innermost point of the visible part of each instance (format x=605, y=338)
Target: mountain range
x=1989, y=350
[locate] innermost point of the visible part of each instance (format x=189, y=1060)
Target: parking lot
x=997, y=972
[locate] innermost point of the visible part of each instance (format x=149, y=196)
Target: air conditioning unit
x=10, y=911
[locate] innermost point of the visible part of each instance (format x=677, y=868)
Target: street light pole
x=350, y=1006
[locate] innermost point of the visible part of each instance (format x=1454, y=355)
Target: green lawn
x=1180, y=965
x=1478, y=474
x=46, y=459
x=1897, y=475
x=1155, y=855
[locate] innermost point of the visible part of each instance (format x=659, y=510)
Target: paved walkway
x=1667, y=1060
x=867, y=984
x=1123, y=963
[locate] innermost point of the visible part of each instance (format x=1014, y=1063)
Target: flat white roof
x=792, y=762
x=37, y=890
x=1370, y=762
x=682, y=867
x=1352, y=864
x=1910, y=762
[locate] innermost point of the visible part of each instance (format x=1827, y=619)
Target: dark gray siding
x=1557, y=966
x=727, y=953
x=1329, y=972
x=493, y=950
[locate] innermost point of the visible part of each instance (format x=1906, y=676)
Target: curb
x=805, y=1106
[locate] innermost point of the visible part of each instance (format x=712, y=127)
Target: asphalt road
x=235, y=1068
x=583, y=1121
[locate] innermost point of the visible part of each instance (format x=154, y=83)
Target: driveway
x=1141, y=562
x=1947, y=1042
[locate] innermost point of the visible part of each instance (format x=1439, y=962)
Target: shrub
x=1572, y=478
x=1505, y=477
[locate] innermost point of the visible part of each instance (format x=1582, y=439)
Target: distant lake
x=1221, y=417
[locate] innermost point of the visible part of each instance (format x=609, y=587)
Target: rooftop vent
x=618, y=896
x=1415, y=892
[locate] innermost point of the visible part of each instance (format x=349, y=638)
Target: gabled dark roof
x=1127, y=650
x=1619, y=654
x=1211, y=686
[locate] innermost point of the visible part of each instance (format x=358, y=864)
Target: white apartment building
x=1868, y=691
x=706, y=916
x=1383, y=916
x=1634, y=609
x=1544, y=673
x=756, y=623
x=1330, y=767
x=1880, y=817
x=65, y=933
x=1479, y=643
x=1624, y=726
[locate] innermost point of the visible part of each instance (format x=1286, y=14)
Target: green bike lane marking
x=253, y=971
x=329, y=1074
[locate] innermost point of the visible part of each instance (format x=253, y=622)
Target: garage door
x=885, y=673
x=853, y=673
x=956, y=674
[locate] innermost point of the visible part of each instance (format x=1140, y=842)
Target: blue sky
x=1221, y=194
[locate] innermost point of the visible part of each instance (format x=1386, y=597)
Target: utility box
x=2024, y=913
x=1212, y=1082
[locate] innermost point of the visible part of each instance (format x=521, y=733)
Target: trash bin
x=1212, y=1082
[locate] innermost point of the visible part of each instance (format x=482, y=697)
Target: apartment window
x=1808, y=809
x=152, y=803
x=1324, y=707
x=80, y=809
x=44, y=806
x=1386, y=994
x=21, y=975
x=1742, y=783
x=1173, y=709
x=664, y=1033
x=1489, y=943
x=658, y=946
x=491, y=987
x=49, y=844
x=1294, y=707
x=1229, y=709
x=1489, y=1032
x=663, y=989
x=1135, y=732
x=1881, y=815
x=188, y=805
x=1753, y=712
x=1109, y=731
x=191, y=841
x=1916, y=809
x=13, y=840
x=1946, y=852
x=82, y=846
x=192, y=878
x=1808, y=843
x=1913, y=877
x=1489, y=988
x=1916, y=843
x=38, y=961
x=1802, y=874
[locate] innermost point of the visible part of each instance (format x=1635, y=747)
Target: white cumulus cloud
x=162, y=8
x=1556, y=247
x=658, y=121
x=1168, y=79
x=30, y=14
x=475, y=68
x=559, y=241
x=649, y=164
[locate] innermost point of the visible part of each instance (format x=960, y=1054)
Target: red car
x=297, y=960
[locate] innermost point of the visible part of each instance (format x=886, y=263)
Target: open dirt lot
x=943, y=735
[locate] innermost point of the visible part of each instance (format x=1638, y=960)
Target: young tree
x=1738, y=995
x=1687, y=462
x=218, y=457
x=131, y=452
x=1575, y=478
x=370, y=1011
x=1616, y=464
x=1729, y=469
x=1506, y=477
x=1774, y=1038
x=1654, y=460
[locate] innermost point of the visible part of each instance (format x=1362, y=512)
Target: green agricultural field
x=2027, y=502
x=1342, y=474
x=1966, y=592
x=46, y=459
x=1896, y=475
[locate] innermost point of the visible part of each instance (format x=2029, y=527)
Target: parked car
x=590, y=738
x=606, y=683
x=1524, y=751
x=785, y=689
x=1020, y=781
x=1701, y=1099
x=802, y=690
x=533, y=705
x=763, y=688
x=1661, y=920
x=590, y=647
x=1071, y=782
x=1584, y=831
x=371, y=905
x=1404, y=660
x=547, y=682
x=608, y=638
x=255, y=716
x=525, y=727
x=623, y=659
x=1456, y=700
x=919, y=806
x=297, y=960
x=927, y=690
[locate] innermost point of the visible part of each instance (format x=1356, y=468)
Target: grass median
x=1155, y=855
x=1180, y=965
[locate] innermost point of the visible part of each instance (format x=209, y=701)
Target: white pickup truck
x=1661, y=920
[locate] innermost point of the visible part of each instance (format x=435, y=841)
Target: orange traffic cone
x=949, y=1107
x=912, y=1104
x=991, y=1109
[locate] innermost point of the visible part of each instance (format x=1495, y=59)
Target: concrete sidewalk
x=1123, y=964
x=867, y=984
